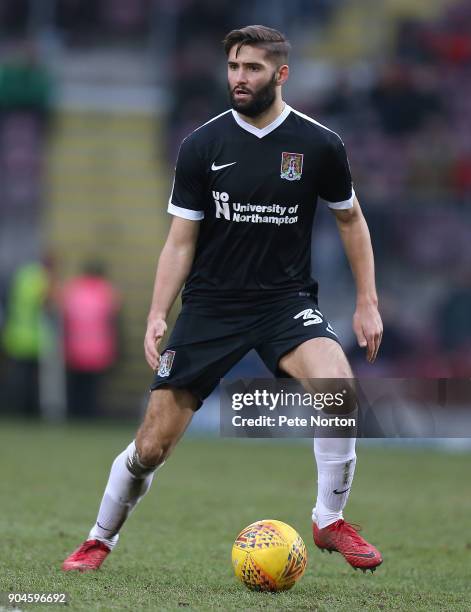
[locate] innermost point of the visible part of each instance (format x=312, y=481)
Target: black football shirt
x=255, y=193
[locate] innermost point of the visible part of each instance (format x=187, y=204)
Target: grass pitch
x=175, y=549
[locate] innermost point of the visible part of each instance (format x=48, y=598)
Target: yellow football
x=269, y=555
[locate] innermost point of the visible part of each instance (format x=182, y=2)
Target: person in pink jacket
x=90, y=306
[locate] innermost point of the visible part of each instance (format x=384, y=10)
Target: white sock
x=123, y=490
x=336, y=459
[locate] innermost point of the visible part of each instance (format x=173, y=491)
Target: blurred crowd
x=58, y=341
x=404, y=117
x=405, y=121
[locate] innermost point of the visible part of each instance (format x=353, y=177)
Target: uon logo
x=166, y=362
x=309, y=317
x=221, y=199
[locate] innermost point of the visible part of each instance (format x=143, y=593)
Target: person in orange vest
x=90, y=306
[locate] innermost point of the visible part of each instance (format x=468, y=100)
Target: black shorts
x=208, y=340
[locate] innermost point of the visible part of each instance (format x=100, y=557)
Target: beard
x=258, y=102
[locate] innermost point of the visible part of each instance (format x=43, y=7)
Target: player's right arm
x=176, y=258
x=173, y=268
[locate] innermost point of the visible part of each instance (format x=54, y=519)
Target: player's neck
x=267, y=117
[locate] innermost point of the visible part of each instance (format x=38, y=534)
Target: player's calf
x=168, y=414
x=128, y=482
x=131, y=474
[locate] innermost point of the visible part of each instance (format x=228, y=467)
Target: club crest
x=166, y=362
x=291, y=166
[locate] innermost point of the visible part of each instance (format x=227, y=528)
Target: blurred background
x=95, y=97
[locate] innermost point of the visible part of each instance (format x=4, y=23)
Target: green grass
x=175, y=549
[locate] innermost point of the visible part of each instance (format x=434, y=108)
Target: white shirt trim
x=313, y=121
x=340, y=205
x=334, y=205
x=211, y=120
x=185, y=213
x=261, y=132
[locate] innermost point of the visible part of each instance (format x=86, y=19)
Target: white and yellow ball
x=269, y=555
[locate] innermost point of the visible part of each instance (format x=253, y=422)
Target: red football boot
x=89, y=556
x=344, y=538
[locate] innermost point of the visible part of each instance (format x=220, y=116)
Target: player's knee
x=140, y=462
x=344, y=393
x=335, y=395
x=153, y=452
x=344, y=371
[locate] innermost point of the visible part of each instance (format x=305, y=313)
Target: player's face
x=252, y=80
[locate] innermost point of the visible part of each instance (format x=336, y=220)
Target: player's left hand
x=368, y=329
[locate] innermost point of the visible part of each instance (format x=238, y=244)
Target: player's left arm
x=356, y=240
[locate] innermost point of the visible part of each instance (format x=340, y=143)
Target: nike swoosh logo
x=104, y=528
x=214, y=167
x=369, y=555
x=340, y=492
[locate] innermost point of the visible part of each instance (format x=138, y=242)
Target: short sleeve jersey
x=255, y=193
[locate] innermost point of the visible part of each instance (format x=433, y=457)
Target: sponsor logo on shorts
x=166, y=362
x=309, y=317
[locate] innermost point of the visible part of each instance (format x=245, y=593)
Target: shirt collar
x=261, y=132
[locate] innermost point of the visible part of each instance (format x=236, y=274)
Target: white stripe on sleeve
x=340, y=205
x=185, y=213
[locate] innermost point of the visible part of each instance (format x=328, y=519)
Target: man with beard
x=243, y=200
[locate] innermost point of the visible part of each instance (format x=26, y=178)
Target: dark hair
x=275, y=43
